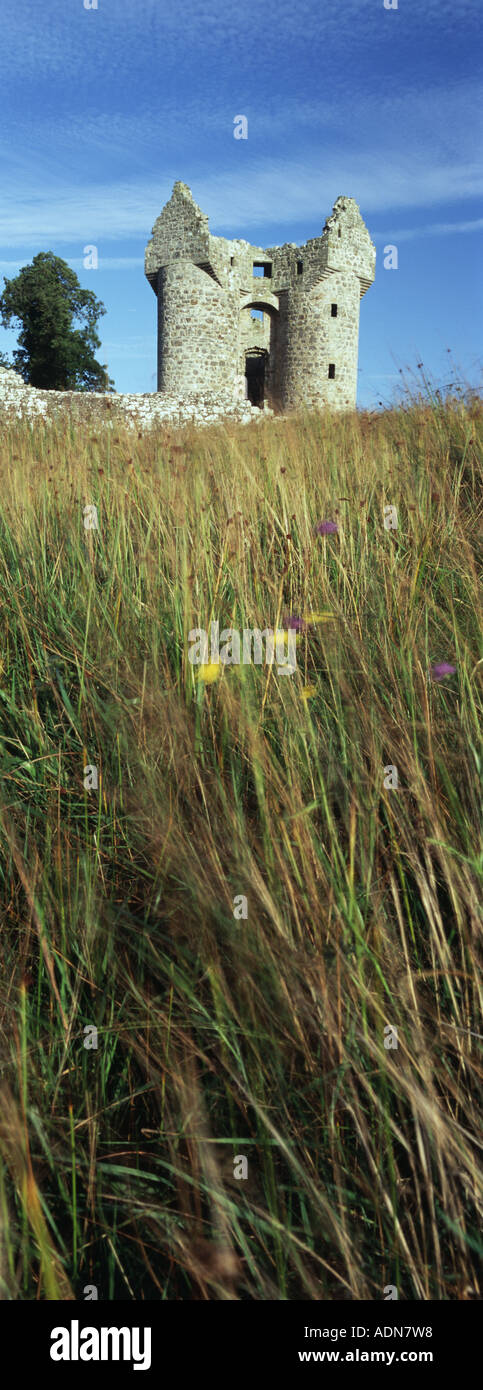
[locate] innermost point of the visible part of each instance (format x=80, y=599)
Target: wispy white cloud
x=294, y=193
x=56, y=38
x=286, y=194
x=108, y=263
x=441, y=120
x=77, y=262
x=129, y=350
x=430, y=229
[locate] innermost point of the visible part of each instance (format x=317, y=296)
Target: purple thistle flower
x=326, y=528
x=440, y=669
x=295, y=622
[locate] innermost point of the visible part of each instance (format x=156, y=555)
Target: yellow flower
x=308, y=691
x=318, y=617
x=209, y=672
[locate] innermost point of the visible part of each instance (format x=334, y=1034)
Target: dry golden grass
x=261, y=1037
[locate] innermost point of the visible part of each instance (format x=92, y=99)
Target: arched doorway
x=256, y=321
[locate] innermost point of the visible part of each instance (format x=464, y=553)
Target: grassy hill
x=220, y=1036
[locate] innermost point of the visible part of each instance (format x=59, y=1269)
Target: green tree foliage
x=48, y=301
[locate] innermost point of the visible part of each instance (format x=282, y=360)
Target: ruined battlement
x=281, y=323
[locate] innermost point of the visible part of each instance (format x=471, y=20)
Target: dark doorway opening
x=255, y=375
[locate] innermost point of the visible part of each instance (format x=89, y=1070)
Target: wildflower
x=209, y=672
x=326, y=528
x=318, y=617
x=295, y=621
x=307, y=692
x=440, y=669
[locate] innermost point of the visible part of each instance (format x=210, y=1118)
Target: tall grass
x=261, y=1037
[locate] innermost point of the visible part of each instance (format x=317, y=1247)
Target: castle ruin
x=279, y=326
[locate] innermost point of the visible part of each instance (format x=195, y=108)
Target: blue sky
x=103, y=109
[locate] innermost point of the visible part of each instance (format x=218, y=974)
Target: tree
x=53, y=354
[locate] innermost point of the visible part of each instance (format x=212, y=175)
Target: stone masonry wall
x=342, y=289
x=197, y=331
x=317, y=342
x=180, y=231
x=306, y=347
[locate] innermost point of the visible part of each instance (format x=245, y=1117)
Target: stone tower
x=278, y=325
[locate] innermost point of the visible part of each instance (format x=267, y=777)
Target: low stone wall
x=19, y=401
